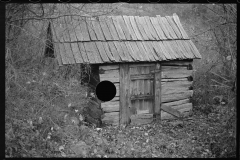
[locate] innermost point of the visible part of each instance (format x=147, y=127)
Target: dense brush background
x=46, y=104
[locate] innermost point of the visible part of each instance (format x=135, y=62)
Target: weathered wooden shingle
x=110, y=39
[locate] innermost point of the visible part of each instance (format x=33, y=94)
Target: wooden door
x=142, y=92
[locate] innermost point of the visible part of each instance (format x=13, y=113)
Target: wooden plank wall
x=176, y=87
x=111, y=108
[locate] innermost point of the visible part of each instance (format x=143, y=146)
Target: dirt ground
x=197, y=137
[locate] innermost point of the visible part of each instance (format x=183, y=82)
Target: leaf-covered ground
x=199, y=136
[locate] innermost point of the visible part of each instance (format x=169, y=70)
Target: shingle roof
x=121, y=39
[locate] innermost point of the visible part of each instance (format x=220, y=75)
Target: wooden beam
x=184, y=111
x=176, y=96
x=177, y=63
x=111, y=118
x=110, y=106
x=141, y=76
x=140, y=119
x=171, y=111
x=175, y=72
x=157, y=90
x=139, y=97
x=176, y=103
x=175, y=86
x=124, y=92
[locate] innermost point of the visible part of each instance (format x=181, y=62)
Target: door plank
x=157, y=90
x=124, y=92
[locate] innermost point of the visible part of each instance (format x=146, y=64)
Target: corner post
x=157, y=91
x=124, y=93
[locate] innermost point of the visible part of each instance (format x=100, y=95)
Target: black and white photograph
x=121, y=80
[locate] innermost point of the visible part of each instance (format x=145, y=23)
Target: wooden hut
x=149, y=60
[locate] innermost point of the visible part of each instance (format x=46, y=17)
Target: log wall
x=111, y=108
x=176, y=87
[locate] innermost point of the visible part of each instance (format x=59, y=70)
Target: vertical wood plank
x=145, y=87
x=140, y=88
x=124, y=94
x=157, y=90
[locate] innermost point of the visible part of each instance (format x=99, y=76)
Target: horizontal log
x=116, y=98
x=110, y=72
x=110, y=75
x=175, y=87
x=111, y=79
x=109, y=67
x=142, y=111
x=177, y=63
x=138, y=97
x=175, y=72
x=117, y=89
x=176, y=96
x=174, y=79
x=140, y=119
x=110, y=106
x=141, y=65
x=141, y=76
x=111, y=118
x=176, y=103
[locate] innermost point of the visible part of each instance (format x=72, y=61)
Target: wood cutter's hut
x=149, y=60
